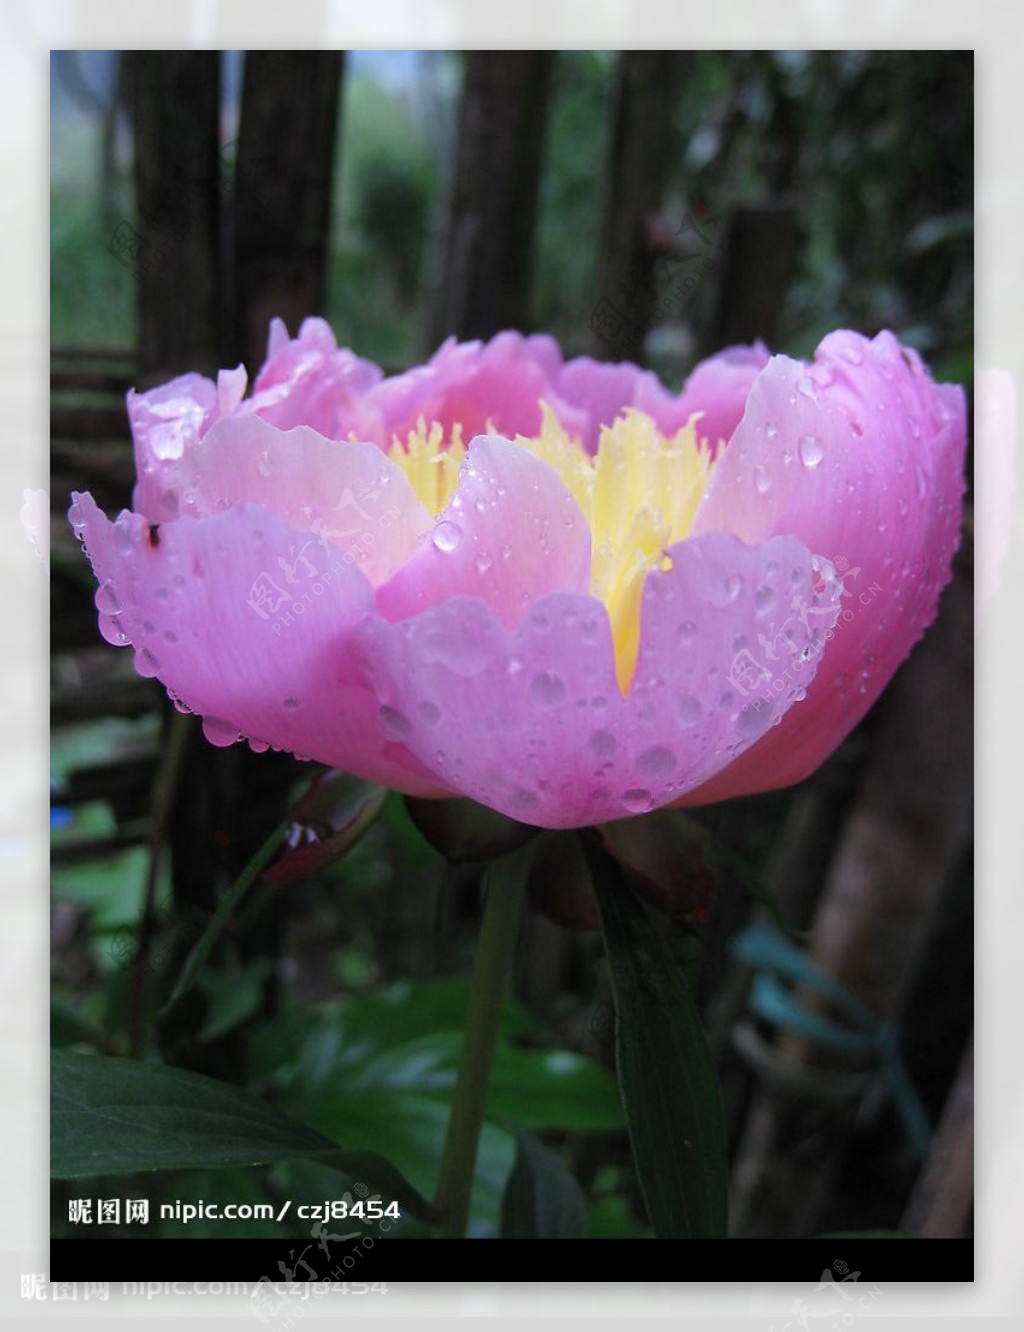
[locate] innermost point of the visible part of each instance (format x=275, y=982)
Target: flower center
x=639, y=494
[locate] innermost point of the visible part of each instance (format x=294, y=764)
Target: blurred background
x=649, y=206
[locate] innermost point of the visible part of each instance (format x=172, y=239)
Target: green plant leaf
x=666, y=1072
x=542, y=1200
x=115, y=1116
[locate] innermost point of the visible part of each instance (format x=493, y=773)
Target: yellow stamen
x=639, y=495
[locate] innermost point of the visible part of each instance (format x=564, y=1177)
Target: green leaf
x=666, y=1072
x=542, y=1089
x=542, y=1200
x=116, y=1116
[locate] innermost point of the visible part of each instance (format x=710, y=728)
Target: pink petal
x=717, y=388
x=349, y=497
x=165, y=422
x=310, y=381
x=499, y=385
x=602, y=390
x=511, y=533
x=530, y=721
x=204, y=603
x=860, y=456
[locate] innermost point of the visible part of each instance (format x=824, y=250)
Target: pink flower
x=529, y=581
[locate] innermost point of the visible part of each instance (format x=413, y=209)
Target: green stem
x=230, y=902
x=491, y=972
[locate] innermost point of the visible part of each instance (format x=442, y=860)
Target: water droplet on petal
x=733, y=586
x=482, y=562
x=446, y=536
x=753, y=719
x=764, y=599
x=258, y=746
x=111, y=630
x=291, y=704
x=430, y=712
x=170, y=502
x=395, y=722
x=762, y=481
x=637, y=800
x=690, y=710
x=220, y=733
x=263, y=463
x=811, y=450
x=547, y=689
x=603, y=744
x=146, y=664
x=107, y=600
x=687, y=632
x=658, y=761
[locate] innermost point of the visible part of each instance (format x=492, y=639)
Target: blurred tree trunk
x=489, y=243
x=175, y=101
x=761, y=247
x=644, y=97
x=284, y=170
x=886, y=885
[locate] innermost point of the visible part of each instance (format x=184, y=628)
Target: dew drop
x=263, y=464
x=733, y=586
x=220, y=733
x=146, y=664
x=170, y=636
x=258, y=746
x=753, y=719
x=690, y=710
x=547, y=689
x=446, y=536
x=482, y=562
x=657, y=762
x=178, y=580
x=637, y=800
x=397, y=723
x=762, y=481
x=111, y=630
x=122, y=538
x=170, y=502
x=811, y=450
x=603, y=744
x=922, y=481
x=687, y=632
x=429, y=712
x=183, y=708
x=107, y=600
x=764, y=600
x=76, y=518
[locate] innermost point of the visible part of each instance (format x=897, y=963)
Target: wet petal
x=256, y=648
x=348, y=497
x=860, y=455
x=531, y=721
x=511, y=533
x=498, y=386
